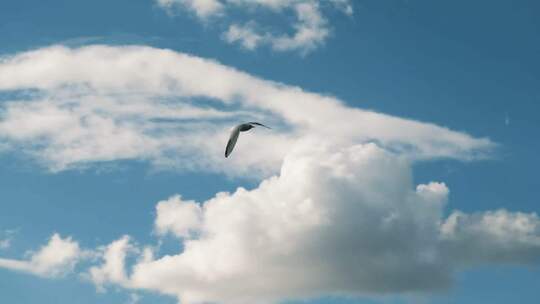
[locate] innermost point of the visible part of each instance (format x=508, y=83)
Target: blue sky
x=91, y=143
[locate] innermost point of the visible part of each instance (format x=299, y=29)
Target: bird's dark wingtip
x=259, y=124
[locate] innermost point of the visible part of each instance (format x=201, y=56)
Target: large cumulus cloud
x=342, y=221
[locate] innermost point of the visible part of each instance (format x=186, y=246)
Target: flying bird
x=236, y=132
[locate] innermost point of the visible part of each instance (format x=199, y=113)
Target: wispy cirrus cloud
x=310, y=30
x=102, y=103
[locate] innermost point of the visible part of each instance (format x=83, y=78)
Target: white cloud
x=245, y=35
x=344, y=221
x=6, y=237
x=311, y=32
x=113, y=268
x=493, y=237
x=100, y=103
x=55, y=259
x=203, y=8
x=311, y=27
x=178, y=217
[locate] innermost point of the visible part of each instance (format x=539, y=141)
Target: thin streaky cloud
x=105, y=103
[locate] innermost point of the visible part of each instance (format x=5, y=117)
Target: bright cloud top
x=71, y=107
x=57, y=258
x=333, y=222
x=311, y=28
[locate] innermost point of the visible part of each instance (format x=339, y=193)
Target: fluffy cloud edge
x=55, y=259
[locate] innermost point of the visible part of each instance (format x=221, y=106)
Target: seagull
x=236, y=132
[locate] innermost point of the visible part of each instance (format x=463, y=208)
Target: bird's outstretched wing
x=258, y=124
x=232, y=141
